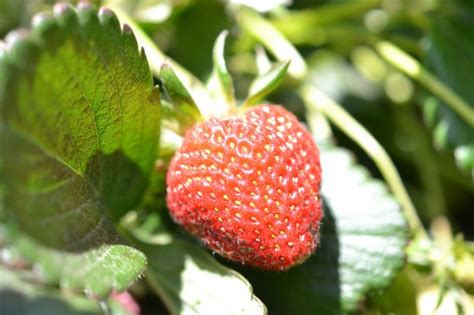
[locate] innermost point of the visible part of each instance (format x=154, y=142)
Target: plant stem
x=156, y=58
x=318, y=101
x=411, y=67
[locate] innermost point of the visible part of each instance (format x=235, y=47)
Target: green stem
x=318, y=101
x=156, y=58
x=411, y=67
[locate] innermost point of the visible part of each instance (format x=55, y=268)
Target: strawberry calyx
x=181, y=112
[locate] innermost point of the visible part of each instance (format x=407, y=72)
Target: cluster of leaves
x=82, y=188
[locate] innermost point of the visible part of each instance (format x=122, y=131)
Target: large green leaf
x=188, y=278
x=80, y=126
x=450, y=57
x=79, y=134
x=363, y=237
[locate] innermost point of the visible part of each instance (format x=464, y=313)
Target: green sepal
x=266, y=83
x=220, y=83
x=184, y=109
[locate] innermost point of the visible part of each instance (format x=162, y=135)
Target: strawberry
x=248, y=187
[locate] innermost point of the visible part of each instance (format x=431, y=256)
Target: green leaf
x=220, y=75
x=188, y=278
x=80, y=126
x=185, y=110
x=98, y=271
x=450, y=58
x=363, y=237
x=266, y=83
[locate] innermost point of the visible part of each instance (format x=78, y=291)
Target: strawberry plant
x=237, y=157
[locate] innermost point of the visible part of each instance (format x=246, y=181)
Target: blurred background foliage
x=432, y=147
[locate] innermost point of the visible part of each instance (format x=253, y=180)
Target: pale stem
x=411, y=67
x=318, y=101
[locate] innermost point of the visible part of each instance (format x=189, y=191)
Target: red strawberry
x=248, y=187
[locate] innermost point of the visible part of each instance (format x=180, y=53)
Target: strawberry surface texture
x=248, y=187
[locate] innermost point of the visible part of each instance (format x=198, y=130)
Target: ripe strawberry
x=248, y=187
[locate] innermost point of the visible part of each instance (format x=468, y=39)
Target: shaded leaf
x=363, y=237
x=188, y=278
x=450, y=58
